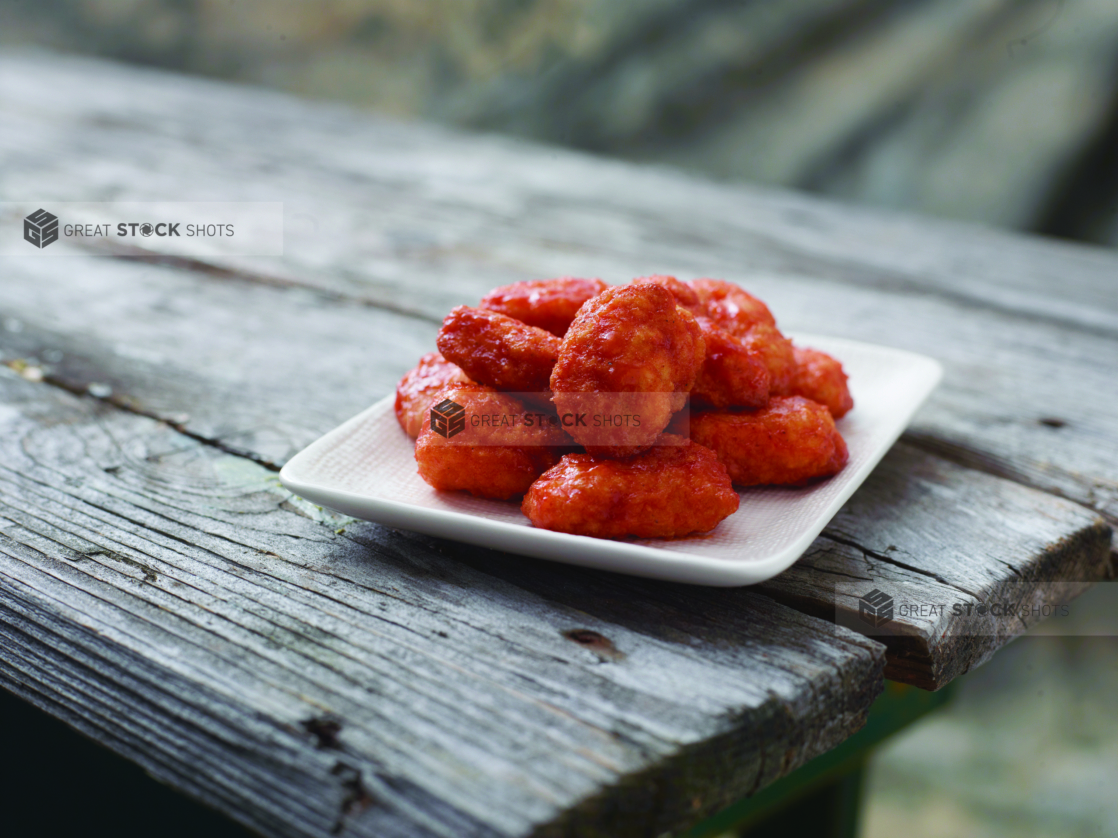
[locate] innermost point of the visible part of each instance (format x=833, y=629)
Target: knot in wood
x=598, y=644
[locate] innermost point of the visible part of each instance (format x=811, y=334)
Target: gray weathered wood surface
x=150, y=558
x=263, y=371
x=933, y=534
x=172, y=601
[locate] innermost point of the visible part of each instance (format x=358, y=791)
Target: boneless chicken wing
x=749, y=320
x=673, y=489
x=730, y=306
x=542, y=367
x=549, y=304
x=625, y=366
x=731, y=375
x=776, y=352
x=791, y=442
x=497, y=350
x=420, y=388
x=488, y=447
x=820, y=377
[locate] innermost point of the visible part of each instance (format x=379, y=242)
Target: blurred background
x=1002, y=112
x=999, y=112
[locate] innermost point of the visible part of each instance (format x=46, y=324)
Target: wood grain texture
x=970, y=560
x=263, y=365
x=163, y=593
x=381, y=214
x=264, y=371
x=262, y=386
x=377, y=206
x=172, y=601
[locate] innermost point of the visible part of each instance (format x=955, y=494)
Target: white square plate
x=366, y=469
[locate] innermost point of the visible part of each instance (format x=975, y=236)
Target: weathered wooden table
x=312, y=675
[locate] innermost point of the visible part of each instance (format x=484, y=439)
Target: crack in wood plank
x=883, y=557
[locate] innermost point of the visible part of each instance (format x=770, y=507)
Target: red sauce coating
x=791, y=442
x=667, y=491
x=549, y=304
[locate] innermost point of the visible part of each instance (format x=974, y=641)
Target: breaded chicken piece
x=731, y=375
x=749, y=320
x=673, y=489
x=730, y=306
x=777, y=354
x=789, y=443
x=820, y=377
x=549, y=304
x=419, y=389
x=497, y=350
x=497, y=453
x=626, y=365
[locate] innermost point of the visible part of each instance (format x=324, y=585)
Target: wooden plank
x=172, y=601
x=383, y=214
x=278, y=394
x=259, y=356
x=970, y=560
x=1006, y=373
x=188, y=345
x=375, y=206
x=262, y=370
